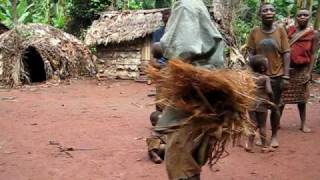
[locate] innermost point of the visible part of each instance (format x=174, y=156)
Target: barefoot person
x=303, y=43
x=204, y=106
x=259, y=112
x=157, y=141
x=192, y=37
x=272, y=41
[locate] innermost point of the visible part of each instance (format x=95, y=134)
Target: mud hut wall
x=120, y=60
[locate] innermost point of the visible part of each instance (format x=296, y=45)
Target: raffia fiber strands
x=63, y=55
x=217, y=98
x=230, y=87
x=116, y=27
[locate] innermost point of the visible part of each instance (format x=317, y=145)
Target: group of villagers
x=201, y=105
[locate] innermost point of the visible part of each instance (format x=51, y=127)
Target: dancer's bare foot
x=267, y=149
x=259, y=143
x=248, y=148
x=305, y=129
x=154, y=157
x=274, y=142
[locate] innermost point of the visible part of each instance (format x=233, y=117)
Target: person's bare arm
x=269, y=88
x=315, y=48
x=286, y=61
x=251, y=53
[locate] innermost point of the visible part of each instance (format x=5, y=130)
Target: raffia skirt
x=298, y=89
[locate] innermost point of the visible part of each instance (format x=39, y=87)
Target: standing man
x=272, y=41
x=157, y=35
x=191, y=36
x=303, y=43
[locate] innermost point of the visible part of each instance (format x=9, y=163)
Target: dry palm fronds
x=219, y=97
x=117, y=27
x=224, y=89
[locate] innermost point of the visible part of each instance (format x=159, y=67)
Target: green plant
x=134, y=4
x=245, y=17
x=22, y=12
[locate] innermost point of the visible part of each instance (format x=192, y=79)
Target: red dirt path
x=111, y=121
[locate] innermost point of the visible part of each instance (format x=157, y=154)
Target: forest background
x=75, y=16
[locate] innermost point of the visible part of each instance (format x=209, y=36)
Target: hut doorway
x=34, y=65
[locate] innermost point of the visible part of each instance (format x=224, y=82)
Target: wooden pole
x=14, y=12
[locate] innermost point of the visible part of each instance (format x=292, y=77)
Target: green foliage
x=163, y=3
x=149, y=4
x=83, y=12
x=146, y=4
x=68, y=14
x=59, y=19
x=135, y=4
x=285, y=8
x=88, y=9
x=245, y=18
x=22, y=13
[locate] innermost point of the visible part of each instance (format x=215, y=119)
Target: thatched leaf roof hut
x=36, y=53
x=117, y=27
x=123, y=41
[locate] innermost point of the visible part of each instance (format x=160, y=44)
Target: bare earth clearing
x=106, y=126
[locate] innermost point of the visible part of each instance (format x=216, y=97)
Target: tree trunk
x=125, y=5
x=223, y=11
x=299, y=4
x=48, y=8
x=14, y=12
x=304, y=4
x=309, y=5
x=317, y=20
x=113, y=5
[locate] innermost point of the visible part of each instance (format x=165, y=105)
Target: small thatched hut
x=122, y=41
x=36, y=53
x=3, y=28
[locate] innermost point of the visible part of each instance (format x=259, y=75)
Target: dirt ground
x=106, y=126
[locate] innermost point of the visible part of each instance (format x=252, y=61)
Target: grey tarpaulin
x=190, y=32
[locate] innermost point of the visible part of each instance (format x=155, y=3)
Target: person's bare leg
x=281, y=108
x=249, y=144
x=262, y=119
x=154, y=156
x=302, y=111
x=274, y=118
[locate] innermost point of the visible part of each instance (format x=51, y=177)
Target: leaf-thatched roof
x=116, y=27
x=63, y=55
